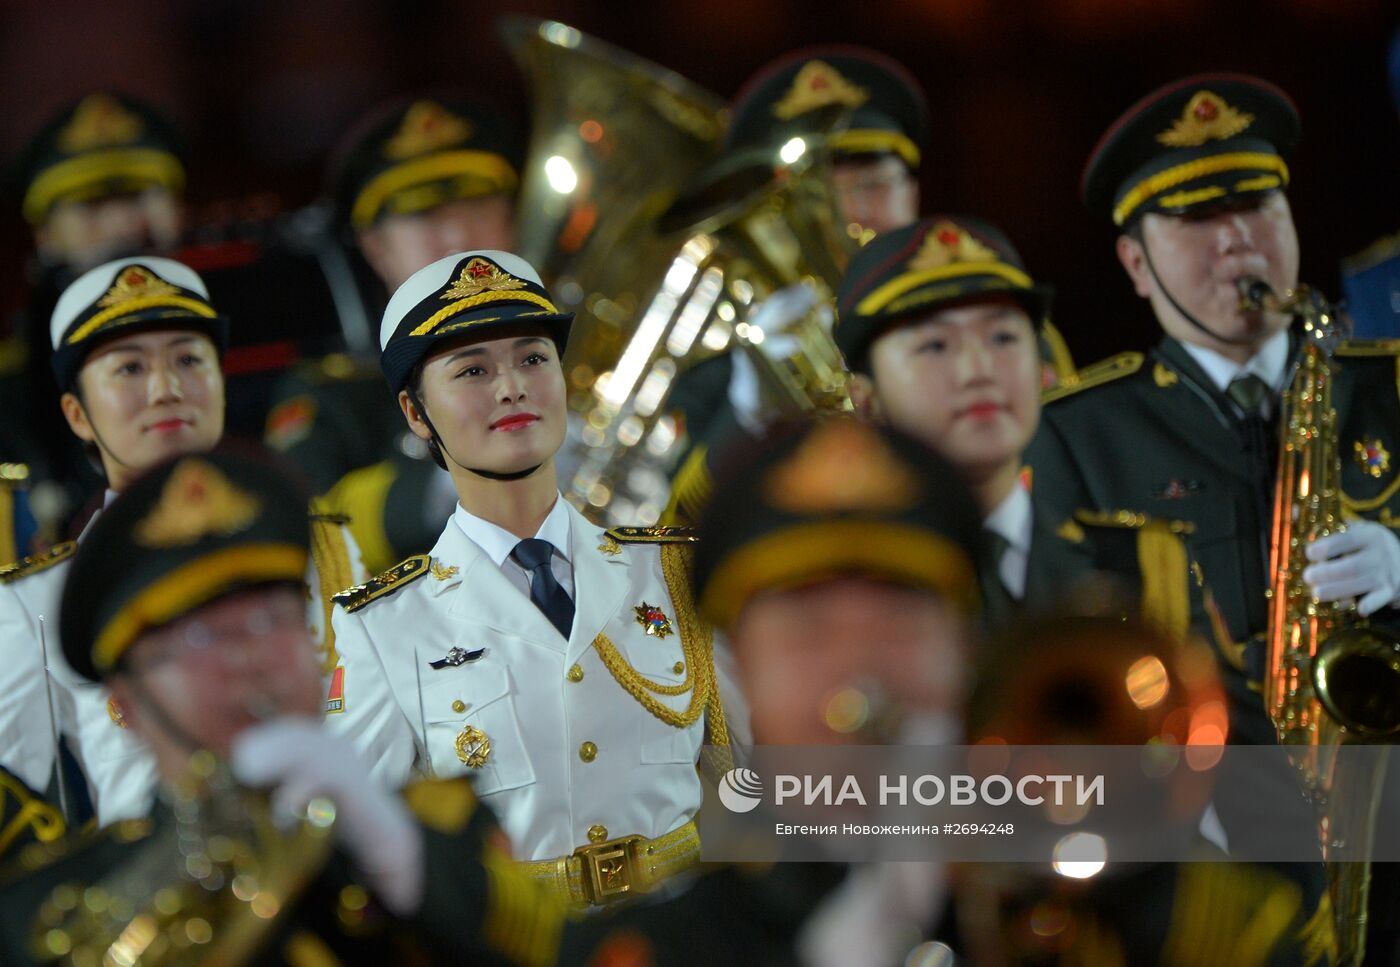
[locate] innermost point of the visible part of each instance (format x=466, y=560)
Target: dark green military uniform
x=189, y=534
x=335, y=416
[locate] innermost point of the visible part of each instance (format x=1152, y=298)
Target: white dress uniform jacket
x=592, y=737
x=120, y=771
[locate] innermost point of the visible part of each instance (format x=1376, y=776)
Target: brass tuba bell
x=663, y=251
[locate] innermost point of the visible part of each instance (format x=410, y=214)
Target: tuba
x=205, y=889
x=1330, y=678
x=664, y=251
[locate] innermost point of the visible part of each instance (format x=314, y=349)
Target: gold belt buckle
x=611, y=870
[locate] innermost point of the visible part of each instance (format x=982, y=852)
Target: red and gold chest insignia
x=653, y=620
x=1372, y=455
x=1206, y=117
x=427, y=126
x=135, y=282
x=100, y=121
x=478, y=276
x=197, y=501
x=818, y=84
x=947, y=243
x=842, y=465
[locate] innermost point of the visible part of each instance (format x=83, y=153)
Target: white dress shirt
x=1012, y=520
x=497, y=543
x=1270, y=364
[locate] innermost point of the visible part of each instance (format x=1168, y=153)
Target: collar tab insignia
x=842, y=466
x=653, y=620
x=99, y=121
x=481, y=275
x=442, y=572
x=947, y=243
x=1206, y=117
x=427, y=126
x=196, y=502
x=135, y=282
x=1372, y=455
x=817, y=85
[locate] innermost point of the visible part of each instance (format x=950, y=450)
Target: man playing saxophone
x=1193, y=176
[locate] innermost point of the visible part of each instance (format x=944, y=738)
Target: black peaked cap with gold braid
x=813, y=501
x=127, y=296
x=414, y=155
x=189, y=532
x=103, y=146
x=888, y=112
x=914, y=270
x=484, y=294
x=1193, y=143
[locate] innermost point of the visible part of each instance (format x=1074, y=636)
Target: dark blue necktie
x=534, y=556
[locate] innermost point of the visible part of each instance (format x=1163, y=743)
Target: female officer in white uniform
x=560, y=665
x=137, y=351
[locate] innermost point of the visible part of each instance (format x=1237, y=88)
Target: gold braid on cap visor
x=481, y=298
x=1154, y=185
x=896, y=287
x=874, y=141
x=137, y=164
x=487, y=165
x=201, y=309
x=825, y=549
x=192, y=584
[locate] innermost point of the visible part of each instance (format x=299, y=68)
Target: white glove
x=1361, y=562
x=773, y=315
x=299, y=761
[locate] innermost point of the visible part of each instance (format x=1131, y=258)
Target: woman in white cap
x=137, y=349
x=559, y=664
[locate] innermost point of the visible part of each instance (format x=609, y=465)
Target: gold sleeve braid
x=9, y=553
x=1166, y=595
x=361, y=495
x=32, y=813
x=522, y=920
x=332, y=558
x=691, y=489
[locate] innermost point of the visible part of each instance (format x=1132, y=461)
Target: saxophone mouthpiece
x=1254, y=292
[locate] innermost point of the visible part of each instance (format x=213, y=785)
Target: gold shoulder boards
x=653, y=535
x=1369, y=347
x=1372, y=255
x=1095, y=374
x=1130, y=519
x=402, y=573
x=37, y=563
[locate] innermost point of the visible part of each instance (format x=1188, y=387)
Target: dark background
x=1019, y=90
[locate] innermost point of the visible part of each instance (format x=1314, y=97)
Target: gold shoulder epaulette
x=402, y=573
x=1095, y=374
x=1372, y=255
x=653, y=535
x=39, y=562
x=1368, y=347
x=1130, y=519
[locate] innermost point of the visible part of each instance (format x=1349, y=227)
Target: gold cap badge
x=842, y=466
x=99, y=121
x=479, y=276
x=197, y=501
x=135, y=282
x=1206, y=117
x=818, y=84
x=947, y=243
x=427, y=126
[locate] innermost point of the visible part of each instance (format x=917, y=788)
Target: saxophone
x=205, y=890
x=1330, y=679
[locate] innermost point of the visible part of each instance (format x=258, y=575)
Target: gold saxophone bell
x=1330, y=678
